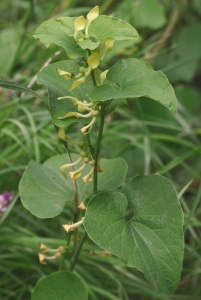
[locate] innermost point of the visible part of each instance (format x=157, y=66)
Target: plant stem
x=77, y=252
x=97, y=150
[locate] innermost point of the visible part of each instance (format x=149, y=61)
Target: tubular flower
x=77, y=115
x=84, y=129
x=62, y=136
x=103, y=76
x=43, y=258
x=67, y=75
x=71, y=227
x=79, y=24
x=76, y=101
x=83, y=106
x=94, y=60
x=67, y=166
x=82, y=206
x=108, y=47
x=78, y=172
x=89, y=177
x=93, y=14
x=44, y=249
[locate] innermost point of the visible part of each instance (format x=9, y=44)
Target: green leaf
x=105, y=27
x=67, y=25
x=88, y=44
x=43, y=191
x=148, y=13
x=197, y=5
x=17, y=87
x=58, y=86
x=62, y=285
x=189, y=42
x=151, y=240
x=135, y=78
x=50, y=32
x=113, y=176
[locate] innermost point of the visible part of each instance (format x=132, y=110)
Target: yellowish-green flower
x=88, y=177
x=77, y=173
x=94, y=60
x=86, y=129
x=93, y=14
x=67, y=166
x=78, y=82
x=79, y=24
x=62, y=135
x=103, y=76
x=77, y=115
x=108, y=47
x=66, y=74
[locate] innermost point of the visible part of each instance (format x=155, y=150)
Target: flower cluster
x=83, y=106
x=5, y=200
x=77, y=173
x=82, y=37
x=42, y=258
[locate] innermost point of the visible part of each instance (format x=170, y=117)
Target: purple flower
x=5, y=200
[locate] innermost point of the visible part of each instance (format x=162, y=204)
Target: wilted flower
x=71, y=227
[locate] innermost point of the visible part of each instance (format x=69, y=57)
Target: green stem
x=89, y=144
x=97, y=150
x=67, y=244
x=77, y=252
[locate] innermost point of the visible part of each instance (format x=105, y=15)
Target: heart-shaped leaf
x=67, y=25
x=151, y=240
x=114, y=174
x=50, y=32
x=135, y=78
x=105, y=27
x=43, y=191
x=62, y=285
x=58, y=86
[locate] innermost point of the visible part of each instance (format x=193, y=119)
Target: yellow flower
x=67, y=166
x=76, y=101
x=89, y=177
x=103, y=76
x=67, y=75
x=93, y=14
x=63, y=136
x=84, y=129
x=71, y=227
x=94, y=60
x=77, y=115
x=44, y=249
x=43, y=258
x=80, y=23
x=77, y=173
x=78, y=82
x=82, y=206
x=108, y=47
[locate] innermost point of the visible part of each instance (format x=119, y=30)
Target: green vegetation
x=138, y=132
